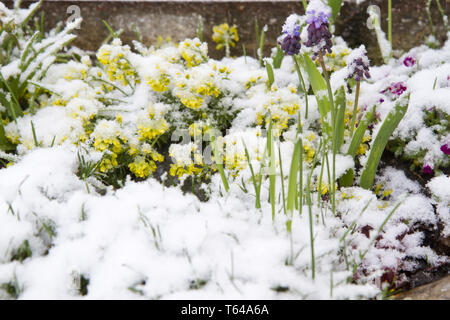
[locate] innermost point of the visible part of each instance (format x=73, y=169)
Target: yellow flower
x=161, y=84
x=193, y=51
x=224, y=33
x=141, y=168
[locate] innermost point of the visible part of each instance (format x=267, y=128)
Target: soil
x=433, y=237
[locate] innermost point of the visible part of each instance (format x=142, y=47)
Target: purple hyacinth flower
x=291, y=44
x=446, y=148
x=358, y=64
x=428, y=169
x=409, y=62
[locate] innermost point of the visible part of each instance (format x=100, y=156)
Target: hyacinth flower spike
x=291, y=45
x=319, y=39
x=358, y=69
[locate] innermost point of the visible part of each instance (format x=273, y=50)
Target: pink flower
x=409, y=62
x=446, y=149
x=428, y=168
x=396, y=89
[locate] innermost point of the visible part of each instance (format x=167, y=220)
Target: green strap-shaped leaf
x=341, y=104
x=5, y=144
x=387, y=128
x=360, y=131
x=278, y=58
x=270, y=74
x=347, y=179
x=272, y=175
x=319, y=87
x=293, y=174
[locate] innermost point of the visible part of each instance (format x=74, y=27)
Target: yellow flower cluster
x=309, y=148
x=336, y=60
x=364, y=146
x=224, y=35
x=161, y=84
x=381, y=192
x=109, y=139
x=141, y=168
x=235, y=158
x=198, y=128
x=199, y=84
x=113, y=57
x=187, y=160
x=193, y=51
x=281, y=105
x=149, y=129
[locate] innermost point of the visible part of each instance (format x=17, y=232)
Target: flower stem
x=302, y=82
x=333, y=140
x=390, y=23
x=355, y=107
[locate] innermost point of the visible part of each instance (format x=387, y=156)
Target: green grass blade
x=347, y=179
x=28, y=47
x=254, y=179
x=34, y=7
x=444, y=16
x=272, y=173
x=200, y=29
x=360, y=131
x=278, y=58
x=305, y=4
x=293, y=174
x=387, y=128
x=219, y=163
x=282, y=180
x=111, y=31
x=5, y=144
x=15, y=110
x=36, y=143
x=341, y=104
x=261, y=47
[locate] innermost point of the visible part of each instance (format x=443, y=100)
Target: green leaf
x=320, y=89
x=293, y=174
x=219, y=163
x=387, y=128
x=200, y=28
x=360, y=131
x=33, y=8
x=278, y=58
x=111, y=31
x=5, y=144
x=13, y=106
x=28, y=47
x=270, y=74
x=272, y=175
x=347, y=179
x=261, y=47
x=336, y=6
x=341, y=104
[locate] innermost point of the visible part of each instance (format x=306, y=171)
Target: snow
x=115, y=247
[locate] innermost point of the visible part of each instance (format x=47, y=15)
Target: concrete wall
x=178, y=19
